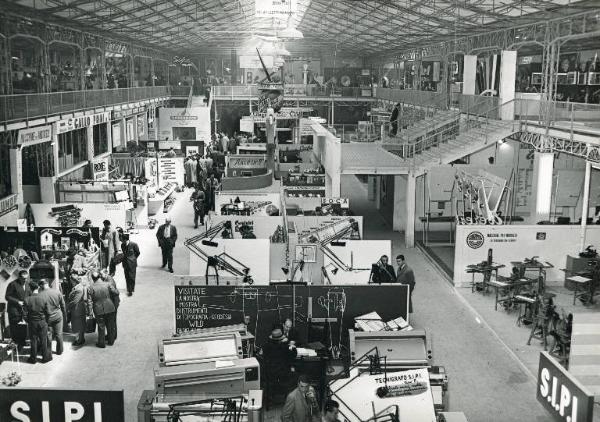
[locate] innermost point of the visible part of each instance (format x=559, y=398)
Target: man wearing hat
x=167, y=236
x=278, y=357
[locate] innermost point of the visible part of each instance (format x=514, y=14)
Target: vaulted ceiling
x=356, y=27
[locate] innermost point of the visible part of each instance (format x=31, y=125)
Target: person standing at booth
x=405, y=276
x=167, y=236
x=382, y=272
x=16, y=292
x=100, y=293
x=79, y=308
x=110, y=245
x=56, y=311
x=36, y=317
x=131, y=252
x=198, y=199
x=212, y=186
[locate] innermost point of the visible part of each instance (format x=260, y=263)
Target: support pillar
x=109, y=143
x=411, y=204
x=508, y=74
x=90, y=142
x=398, y=218
x=378, y=193
x=586, y=204
x=543, y=169
x=469, y=74
x=16, y=173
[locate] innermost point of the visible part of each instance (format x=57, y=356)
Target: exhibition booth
x=252, y=235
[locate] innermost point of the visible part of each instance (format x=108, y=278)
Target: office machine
x=199, y=348
x=216, y=378
x=400, y=351
x=200, y=407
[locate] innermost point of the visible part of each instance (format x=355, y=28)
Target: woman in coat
x=78, y=307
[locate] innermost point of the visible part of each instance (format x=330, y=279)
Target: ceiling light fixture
x=291, y=32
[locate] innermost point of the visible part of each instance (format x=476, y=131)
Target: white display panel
x=253, y=253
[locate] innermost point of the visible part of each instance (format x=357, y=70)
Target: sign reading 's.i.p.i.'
x=561, y=394
x=40, y=405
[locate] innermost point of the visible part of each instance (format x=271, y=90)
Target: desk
x=512, y=289
x=581, y=287
x=525, y=266
x=485, y=269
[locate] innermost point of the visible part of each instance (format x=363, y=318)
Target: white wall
x=9, y=219
x=327, y=150
x=520, y=244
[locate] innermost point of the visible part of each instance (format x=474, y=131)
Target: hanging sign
x=73, y=123
x=100, y=168
x=35, y=135
x=41, y=405
x=247, y=161
x=561, y=394
x=342, y=202
x=274, y=8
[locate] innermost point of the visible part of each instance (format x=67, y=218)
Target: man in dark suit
x=382, y=272
x=167, y=236
x=131, y=251
x=16, y=292
x=406, y=276
x=36, y=316
x=100, y=293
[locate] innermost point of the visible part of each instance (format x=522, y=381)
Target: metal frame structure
x=544, y=143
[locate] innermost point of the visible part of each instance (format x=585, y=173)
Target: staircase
x=474, y=134
x=436, y=122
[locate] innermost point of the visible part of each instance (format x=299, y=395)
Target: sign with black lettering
x=100, y=168
x=35, y=135
x=247, y=161
x=73, y=123
x=39, y=405
x=342, y=202
x=561, y=394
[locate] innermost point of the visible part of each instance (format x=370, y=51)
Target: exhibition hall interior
x=299, y=211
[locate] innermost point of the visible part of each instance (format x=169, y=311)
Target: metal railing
x=28, y=106
x=354, y=132
x=294, y=90
x=414, y=97
x=481, y=121
x=469, y=103
x=560, y=113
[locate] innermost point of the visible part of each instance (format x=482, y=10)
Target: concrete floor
x=486, y=380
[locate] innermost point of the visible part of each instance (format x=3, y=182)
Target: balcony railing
x=414, y=97
x=29, y=106
x=293, y=90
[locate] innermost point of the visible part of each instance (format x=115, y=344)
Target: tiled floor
x=487, y=379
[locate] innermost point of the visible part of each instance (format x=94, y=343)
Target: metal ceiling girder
x=546, y=143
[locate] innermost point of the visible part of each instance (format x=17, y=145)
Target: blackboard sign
x=262, y=306
x=41, y=405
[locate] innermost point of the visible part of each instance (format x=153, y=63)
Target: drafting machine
x=221, y=261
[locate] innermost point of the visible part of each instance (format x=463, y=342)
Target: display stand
x=158, y=201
